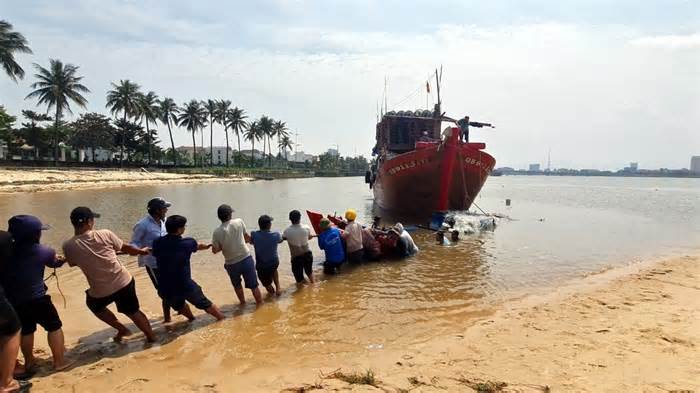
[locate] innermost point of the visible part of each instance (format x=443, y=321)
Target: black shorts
x=356, y=256
x=266, y=274
x=9, y=322
x=38, y=311
x=125, y=298
x=302, y=263
x=195, y=297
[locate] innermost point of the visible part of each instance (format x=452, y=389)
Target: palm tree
x=235, y=119
x=267, y=129
x=222, y=109
x=167, y=113
x=148, y=112
x=253, y=133
x=284, y=144
x=280, y=130
x=11, y=42
x=212, y=108
x=56, y=87
x=124, y=97
x=194, y=118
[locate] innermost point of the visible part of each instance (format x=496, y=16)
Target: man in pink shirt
x=95, y=253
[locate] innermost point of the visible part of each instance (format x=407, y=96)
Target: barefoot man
x=230, y=238
x=95, y=253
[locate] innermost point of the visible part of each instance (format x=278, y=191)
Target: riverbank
x=35, y=180
x=628, y=329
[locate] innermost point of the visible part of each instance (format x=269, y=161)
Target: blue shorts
x=245, y=268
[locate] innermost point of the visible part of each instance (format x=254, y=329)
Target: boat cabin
x=398, y=132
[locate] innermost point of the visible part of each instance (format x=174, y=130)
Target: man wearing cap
x=329, y=241
x=148, y=229
x=23, y=280
x=353, y=237
x=230, y=238
x=95, y=253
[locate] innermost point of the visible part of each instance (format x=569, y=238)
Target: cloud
x=688, y=41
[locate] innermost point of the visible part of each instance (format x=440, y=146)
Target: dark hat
x=24, y=226
x=158, y=203
x=82, y=214
x=264, y=220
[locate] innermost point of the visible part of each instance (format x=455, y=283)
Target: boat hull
x=412, y=181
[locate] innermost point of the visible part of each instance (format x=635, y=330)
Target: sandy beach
x=632, y=329
x=34, y=180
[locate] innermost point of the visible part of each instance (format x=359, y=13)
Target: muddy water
x=559, y=229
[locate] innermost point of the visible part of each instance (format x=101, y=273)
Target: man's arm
x=132, y=250
x=203, y=246
x=138, y=235
x=247, y=238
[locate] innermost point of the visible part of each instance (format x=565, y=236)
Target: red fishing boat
x=422, y=169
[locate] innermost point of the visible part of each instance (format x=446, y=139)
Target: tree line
x=136, y=115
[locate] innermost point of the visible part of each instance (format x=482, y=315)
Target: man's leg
x=58, y=349
x=110, y=319
x=186, y=312
x=153, y=275
x=215, y=312
x=143, y=324
x=235, y=276
x=27, y=345
x=240, y=294
x=258, y=296
x=9, y=349
x=276, y=280
x=309, y=267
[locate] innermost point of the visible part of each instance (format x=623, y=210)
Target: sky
x=598, y=83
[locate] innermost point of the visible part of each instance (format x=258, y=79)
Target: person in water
x=353, y=237
x=148, y=229
x=329, y=240
x=230, y=238
x=405, y=244
x=172, y=253
x=95, y=253
x=10, y=327
x=371, y=247
x=267, y=260
x=297, y=236
x=23, y=281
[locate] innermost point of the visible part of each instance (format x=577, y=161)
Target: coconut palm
x=148, y=112
x=11, y=42
x=253, y=133
x=194, y=118
x=280, y=131
x=285, y=144
x=57, y=87
x=222, y=109
x=235, y=119
x=212, y=107
x=125, y=98
x=267, y=129
x=167, y=113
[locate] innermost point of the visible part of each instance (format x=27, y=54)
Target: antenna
x=386, y=88
x=549, y=160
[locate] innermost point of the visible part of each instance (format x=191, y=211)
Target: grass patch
x=483, y=386
x=355, y=378
x=303, y=389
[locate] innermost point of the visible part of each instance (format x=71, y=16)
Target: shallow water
x=558, y=229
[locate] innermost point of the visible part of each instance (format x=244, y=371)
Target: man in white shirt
x=230, y=238
x=297, y=236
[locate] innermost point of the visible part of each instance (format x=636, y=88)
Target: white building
x=3, y=151
x=634, y=166
x=332, y=152
x=695, y=164
x=534, y=168
x=300, y=156
x=101, y=155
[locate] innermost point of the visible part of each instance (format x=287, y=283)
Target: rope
x=58, y=286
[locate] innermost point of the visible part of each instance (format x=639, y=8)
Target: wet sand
x=33, y=180
x=627, y=329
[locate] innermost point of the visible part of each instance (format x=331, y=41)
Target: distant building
x=534, y=168
x=695, y=165
x=634, y=166
x=3, y=150
x=101, y=155
x=333, y=152
x=300, y=156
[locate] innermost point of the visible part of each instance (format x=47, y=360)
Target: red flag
x=427, y=86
